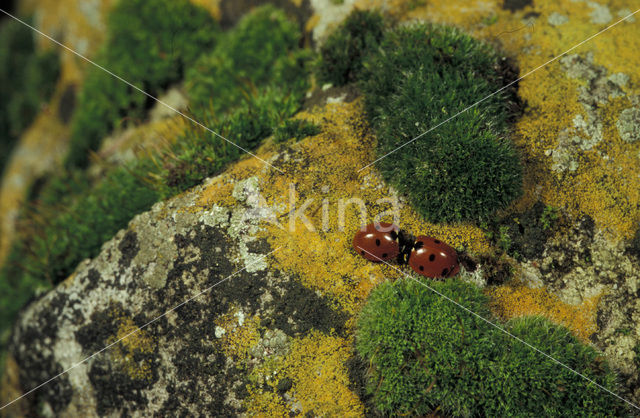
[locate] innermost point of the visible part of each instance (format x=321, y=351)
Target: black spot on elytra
x=384, y=255
x=436, y=241
x=445, y=271
x=128, y=248
x=432, y=257
x=418, y=245
x=377, y=242
x=421, y=268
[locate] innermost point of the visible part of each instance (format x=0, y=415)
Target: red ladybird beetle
x=433, y=258
x=378, y=242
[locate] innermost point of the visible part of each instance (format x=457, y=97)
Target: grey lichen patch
x=155, y=256
x=596, y=90
x=628, y=124
x=622, y=13
x=557, y=19
x=600, y=13
x=564, y=155
x=246, y=219
x=274, y=342
x=580, y=263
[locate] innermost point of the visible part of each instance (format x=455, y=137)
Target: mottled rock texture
x=176, y=364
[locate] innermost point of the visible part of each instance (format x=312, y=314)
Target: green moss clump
x=428, y=354
x=251, y=82
x=261, y=50
x=420, y=76
x=295, y=128
x=149, y=44
x=344, y=50
x=198, y=153
x=27, y=80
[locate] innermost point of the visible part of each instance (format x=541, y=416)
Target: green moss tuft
x=149, y=44
x=428, y=354
x=27, y=80
x=295, y=128
x=261, y=50
x=420, y=76
x=344, y=50
x=253, y=80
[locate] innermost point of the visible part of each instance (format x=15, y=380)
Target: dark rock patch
x=128, y=248
x=515, y=5
x=357, y=371
x=115, y=391
x=496, y=270
x=307, y=309
x=33, y=352
x=67, y=103
x=523, y=235
x=92, y=279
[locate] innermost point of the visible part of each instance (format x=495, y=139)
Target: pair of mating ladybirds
x=427, y=256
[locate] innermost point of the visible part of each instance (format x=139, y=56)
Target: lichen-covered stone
x=166, y=257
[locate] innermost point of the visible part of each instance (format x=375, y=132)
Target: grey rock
x=173, y=271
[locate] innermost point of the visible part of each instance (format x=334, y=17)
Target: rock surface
x=177, y=251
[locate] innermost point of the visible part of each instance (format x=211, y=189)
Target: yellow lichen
x=325, y=169
x=40, y=148
x=318, y=376
x=320, y=381
x=132, y=342
x=11, y=390
x=512, y=301
x=239, y=334
x=78, y=24
x=265, y=404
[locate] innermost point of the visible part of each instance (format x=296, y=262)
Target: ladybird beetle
x=433, y=258
x=427, y=256
x=378, y=242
